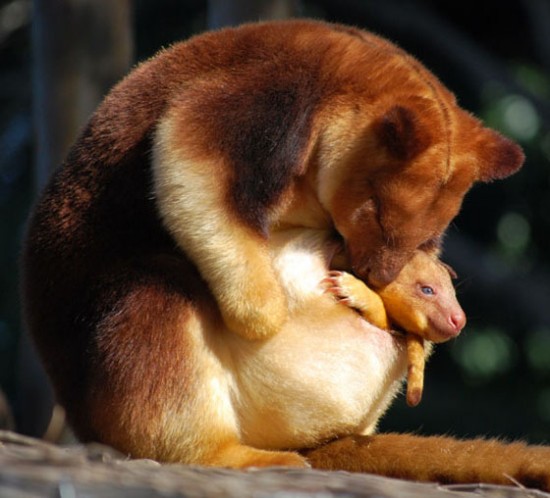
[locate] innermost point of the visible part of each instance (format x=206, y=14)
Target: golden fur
x=171, y=266
x=435, y=316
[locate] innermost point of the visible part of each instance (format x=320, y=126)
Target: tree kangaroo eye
x=427, y=290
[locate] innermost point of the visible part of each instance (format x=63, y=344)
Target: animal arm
x=436, y=459
x=354, y=293
x=191, y=202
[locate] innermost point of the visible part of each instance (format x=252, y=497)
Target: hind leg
x=161, y=381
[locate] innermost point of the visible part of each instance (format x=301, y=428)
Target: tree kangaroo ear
x=450, y=270
x=499, y=157
x=401, y=132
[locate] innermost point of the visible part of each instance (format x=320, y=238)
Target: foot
x=241, y=456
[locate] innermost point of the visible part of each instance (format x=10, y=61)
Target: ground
x=31, y=469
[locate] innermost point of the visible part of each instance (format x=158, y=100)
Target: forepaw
x=343, y=287
x=258, y=316
x=354, y=294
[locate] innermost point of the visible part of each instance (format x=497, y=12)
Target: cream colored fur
x=191, y=197
x=327, y=373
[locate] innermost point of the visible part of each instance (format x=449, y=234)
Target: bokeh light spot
x=514, y=232
x=485, y=353
x=520, y=117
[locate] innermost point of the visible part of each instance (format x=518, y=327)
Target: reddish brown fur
x=141, y=355
x=438, y=459
x=109, y=296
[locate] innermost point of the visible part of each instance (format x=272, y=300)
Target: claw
x=337, y=291
x=328, y=281
x=332, y=285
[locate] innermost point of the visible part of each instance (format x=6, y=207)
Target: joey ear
x=449, y=269
x=499, y=156
x=402, y=133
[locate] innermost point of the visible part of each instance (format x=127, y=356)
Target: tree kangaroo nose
x=457, y=320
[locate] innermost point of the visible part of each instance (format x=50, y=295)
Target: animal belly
x=317, y=379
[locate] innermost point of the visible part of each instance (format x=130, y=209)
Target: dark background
x=495, y=55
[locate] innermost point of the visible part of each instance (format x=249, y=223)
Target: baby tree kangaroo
x=421, y=301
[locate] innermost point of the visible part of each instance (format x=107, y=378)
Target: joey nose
x=457, y=321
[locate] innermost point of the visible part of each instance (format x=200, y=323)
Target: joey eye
x=427, y=290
